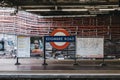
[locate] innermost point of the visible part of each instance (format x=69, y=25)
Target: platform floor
x=33, y=68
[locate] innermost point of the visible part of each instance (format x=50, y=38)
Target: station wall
x=24, y=23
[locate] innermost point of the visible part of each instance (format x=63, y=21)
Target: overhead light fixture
x=67, y=16
x=37, y=10
x=106, y=9
x=36, y=6
x=74, y=9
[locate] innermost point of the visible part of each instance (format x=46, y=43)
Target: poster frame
x=91, y=57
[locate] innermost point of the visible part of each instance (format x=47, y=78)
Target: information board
x=23, y=46
x=90, y=47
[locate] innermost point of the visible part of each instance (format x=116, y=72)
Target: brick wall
x=100, y=26
x=107, y=26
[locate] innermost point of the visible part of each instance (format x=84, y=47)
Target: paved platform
x=33, y=68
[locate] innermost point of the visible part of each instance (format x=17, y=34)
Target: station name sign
x=60, y=38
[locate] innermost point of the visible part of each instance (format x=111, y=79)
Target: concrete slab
x=33, y=68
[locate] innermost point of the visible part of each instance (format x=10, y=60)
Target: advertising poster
x=90, y=47
x=36, y=46
x=23, y=46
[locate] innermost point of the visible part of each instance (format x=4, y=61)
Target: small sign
x=60, y=38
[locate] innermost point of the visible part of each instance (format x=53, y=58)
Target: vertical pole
x=67, y=52
x=103, y=60
x=44, y=63
x=75, y=59
x=110, y=27
x=17, y=61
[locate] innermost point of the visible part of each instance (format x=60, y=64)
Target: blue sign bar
x=59, y=38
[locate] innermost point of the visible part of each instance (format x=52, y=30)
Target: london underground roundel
x=59, y=32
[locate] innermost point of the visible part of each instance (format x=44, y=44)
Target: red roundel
x=59, y=32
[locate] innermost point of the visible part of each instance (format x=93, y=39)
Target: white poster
x=23, y=46
x=90, y=47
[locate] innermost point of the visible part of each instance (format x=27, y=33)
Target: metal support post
x=17, y=61
x=44, y=63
